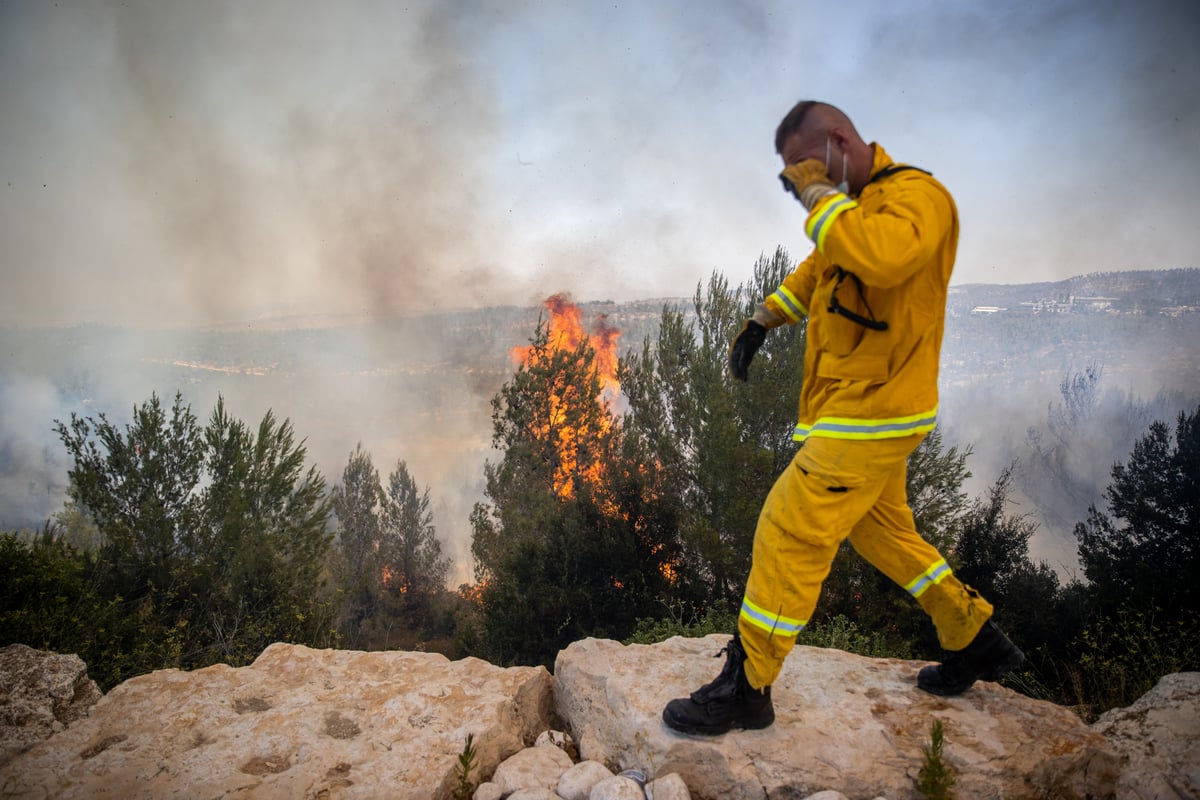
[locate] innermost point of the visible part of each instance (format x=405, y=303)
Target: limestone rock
x=843, y=722
x=40, y=694
x=669, y=787
x=534, y=768
x=1160, y=735
x=297, y=723
x=559, y=739
x=577, y=782
x=539, y=793
x=617, y=787
x=487, y=791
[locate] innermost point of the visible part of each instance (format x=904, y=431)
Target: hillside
x=1171, y=291
x=420, y=387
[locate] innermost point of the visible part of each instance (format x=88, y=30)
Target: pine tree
x=1151, y=561
x=263, y=522
x=411, y=552
x=140, y=488
x=356, y=502
x=212, y=540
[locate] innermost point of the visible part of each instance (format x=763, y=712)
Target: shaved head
x=815, y=130
x=809, y=118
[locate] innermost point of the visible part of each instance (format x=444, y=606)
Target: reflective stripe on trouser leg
x=888, y=539
x=799, y=529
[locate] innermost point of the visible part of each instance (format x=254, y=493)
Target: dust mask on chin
x=844, y=186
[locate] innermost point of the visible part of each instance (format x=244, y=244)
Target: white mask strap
x=844, y=186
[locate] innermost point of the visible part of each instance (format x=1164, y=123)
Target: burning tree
x=572, y=543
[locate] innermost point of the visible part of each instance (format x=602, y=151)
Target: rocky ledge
x=304, y=723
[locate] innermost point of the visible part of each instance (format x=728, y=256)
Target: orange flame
x=566, y=332
x=472, y=592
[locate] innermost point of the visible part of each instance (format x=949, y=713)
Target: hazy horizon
x=172, y=162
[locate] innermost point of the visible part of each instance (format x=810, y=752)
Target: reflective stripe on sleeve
x=935, y=574
x=770, y=622
x=792, y=308
x=821, y=219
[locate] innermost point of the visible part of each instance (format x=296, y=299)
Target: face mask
x=844, y=186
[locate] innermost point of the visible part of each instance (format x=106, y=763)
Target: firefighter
x=874, y=293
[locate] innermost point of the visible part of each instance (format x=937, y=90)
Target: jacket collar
x=882, y=161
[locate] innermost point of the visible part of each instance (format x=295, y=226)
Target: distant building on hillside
x=1086, y=304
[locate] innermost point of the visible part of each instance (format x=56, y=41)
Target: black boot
x=988, y=657
x=727, y=702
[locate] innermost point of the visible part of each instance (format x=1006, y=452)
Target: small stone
x=532, y=768
x=577, y=782
x=559, y=739
x=668, y=787
x=617, y=788
x=533, y=794
x=488, y=791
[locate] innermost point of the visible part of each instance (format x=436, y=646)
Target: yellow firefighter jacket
x=884, y=257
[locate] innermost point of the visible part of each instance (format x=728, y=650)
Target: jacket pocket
x=854, y=367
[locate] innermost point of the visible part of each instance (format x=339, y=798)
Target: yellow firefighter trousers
x=836, y=488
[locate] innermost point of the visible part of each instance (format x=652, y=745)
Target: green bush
x=49, y=601
x=839, y=633
x=685, y=620
x=836, y=632
x=1123, y=657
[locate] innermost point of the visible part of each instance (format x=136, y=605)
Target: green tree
x=264, y=541
x=992, y=545
x=934, y=485
x=411, y=553
x=1151, y=560
x=211, y=540
x=356, y=504
x=140, y=488
x=411, y=549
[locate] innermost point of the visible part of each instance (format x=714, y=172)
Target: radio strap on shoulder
x=892, y=170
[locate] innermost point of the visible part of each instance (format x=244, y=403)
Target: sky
x=173, y=162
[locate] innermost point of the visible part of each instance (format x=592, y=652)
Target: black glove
x=745, y=345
